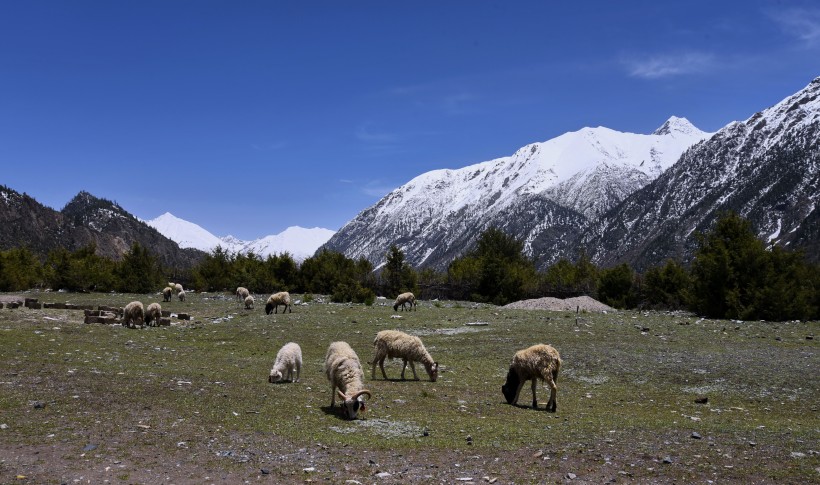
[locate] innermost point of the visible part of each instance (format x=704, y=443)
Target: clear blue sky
x=249, y=117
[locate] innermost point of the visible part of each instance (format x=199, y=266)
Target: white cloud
x=366, y=135
x=377, y=188
x=802, y=23
x=669, y=65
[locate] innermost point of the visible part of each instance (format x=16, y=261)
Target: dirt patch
x=579, y=303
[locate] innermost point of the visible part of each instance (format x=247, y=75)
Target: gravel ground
x=582, y=303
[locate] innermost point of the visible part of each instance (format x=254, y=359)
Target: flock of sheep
x=343, y=367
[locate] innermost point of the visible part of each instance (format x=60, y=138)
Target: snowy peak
x=678, y=125
x=300, y=242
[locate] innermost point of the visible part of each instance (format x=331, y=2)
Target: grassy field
x=190, y=403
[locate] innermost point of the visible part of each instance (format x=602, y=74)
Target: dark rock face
x=84, y=220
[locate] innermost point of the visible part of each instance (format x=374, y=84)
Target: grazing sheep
x=133, y=314
x=344, y=371
x=288, y=359
x=392, y=343
x=242, y=293
x=249, y=302
x=403, y=299
x=276, y=299
x=178, y=287
x=181, y=295
x=537, y=362
x=153, y=314
x=166, y=293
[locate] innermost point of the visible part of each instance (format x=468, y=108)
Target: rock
x=39, y=405
x=265, y=471
x=701, y=400
x=667, y=460
x=696, y=435
x=571, y=476
x=4, y=426
x=90, y=447
x=382, y=475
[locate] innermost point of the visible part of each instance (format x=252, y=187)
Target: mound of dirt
x=582, y=303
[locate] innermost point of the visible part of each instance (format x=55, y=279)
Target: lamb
x=153, y=314
x=288, y=358
x=276, y=299
x=344, y=371
x=166, y=293
x=242, y=293
x=133, y=314
x=537, y=362
x=392, y=344
x=249, y=302
x=178, y=288
x=181, y=295
x=403, y=299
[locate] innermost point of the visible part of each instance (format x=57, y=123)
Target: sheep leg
x=332, y=395
x=403, y=367
x=413, y=368
x=518, y=391
x=381, y=366
x=552, y=405
x=534, y=400
x=298, y=371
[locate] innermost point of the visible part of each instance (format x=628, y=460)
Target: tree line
x=732, y=275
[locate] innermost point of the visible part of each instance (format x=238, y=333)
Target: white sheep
x=276, y=299
x=242, y=293
x=537, y=362
x=344, y=371
x=166, y=293
x=288, y=359
x=403, y=299
x=178, y=287
x=249, y=302
x=392, y=343
x=133, y=314
x=181, y=295
x=153, y=314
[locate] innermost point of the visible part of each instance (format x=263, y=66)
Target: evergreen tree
x=138, y=272
x=615, y=288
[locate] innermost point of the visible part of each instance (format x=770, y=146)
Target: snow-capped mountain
x=300, y=242
x=766, y=168
x=544, y=194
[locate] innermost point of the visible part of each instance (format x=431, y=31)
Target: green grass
x=197, y=392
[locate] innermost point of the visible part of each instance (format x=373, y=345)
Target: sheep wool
x=539, y=362
x=390, y=344
x=344, y=371
x=166, y=293
x=242, y=293
x=133, y=314
x=276, y=299
x=403, y=299
x=181, y=295
x=153, y=314
x=288, y=360
x=249, y=302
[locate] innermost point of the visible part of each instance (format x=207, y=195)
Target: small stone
x=752, y=444
x=382, y=475
x=39, y=405
x=425, y=433
x=4, y=426
x=265, y=471
x=538, y=454
x=309, y=469
x=572, y=476
x=797, y=454
x=701, y=400
x=667, y=460
x=90, y=447
x=696, y=435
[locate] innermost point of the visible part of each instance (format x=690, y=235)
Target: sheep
x=178, y=288
x=403, y=299
x=288, y=359
x=153, y=314
x=344, y=371
x=537, y=362
x=392, y=344
x=133, y=314
x=249, y=302
x=166, y=293
x=276, y=299
x=181, y=295
x=242, y=293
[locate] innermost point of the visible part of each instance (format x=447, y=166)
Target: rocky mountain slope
x=766, y=168
x=84, y=220
x=545, y=194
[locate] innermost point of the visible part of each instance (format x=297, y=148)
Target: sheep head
x=432, y=371
x=268, y=308
x=275, y=376
x=510, y=387
x=354, y=404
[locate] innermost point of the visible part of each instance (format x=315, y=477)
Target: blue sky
x=249, y=117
